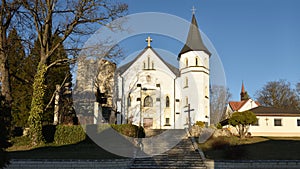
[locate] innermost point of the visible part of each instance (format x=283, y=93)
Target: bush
x=129, y=130
x=219, y=126
x=69, y=134
x=200, y=123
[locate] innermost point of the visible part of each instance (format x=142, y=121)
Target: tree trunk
x=37, y=105
x=4, y=69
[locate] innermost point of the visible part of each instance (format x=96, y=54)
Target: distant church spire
x=244, y=94
x=194, y=41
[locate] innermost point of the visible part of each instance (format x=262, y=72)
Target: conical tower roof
x=194, y=41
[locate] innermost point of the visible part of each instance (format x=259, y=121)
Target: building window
x=277, y=122
x=167, y=101
x=298, y=122
x=186, y=101
x=148, y=101
x=167, y=122
x=148, y=78
x=152, y=65
x=196, y=61
x=144, y=65
x=186, y=62
x=129, y=101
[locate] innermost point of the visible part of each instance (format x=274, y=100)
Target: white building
x=155, y=94
x=276, y=122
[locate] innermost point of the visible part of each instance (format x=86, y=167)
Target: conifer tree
x=19, y=80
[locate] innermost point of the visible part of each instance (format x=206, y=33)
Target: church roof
x=123, y=68
x=194, y=41
x=235, y=106
x=272, y=111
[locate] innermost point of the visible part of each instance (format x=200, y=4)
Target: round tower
x=194, y=74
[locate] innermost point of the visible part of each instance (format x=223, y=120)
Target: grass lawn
x=82, y=150
x=256, y=148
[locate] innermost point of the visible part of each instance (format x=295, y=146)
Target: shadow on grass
x=272, y=149
x=86, y=149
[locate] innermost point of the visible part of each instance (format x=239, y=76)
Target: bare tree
x=68, y=19
x=219, y=97
x=278, y=94
x=298, y=89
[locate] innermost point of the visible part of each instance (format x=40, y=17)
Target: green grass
x=86, y=149
x=256, y=148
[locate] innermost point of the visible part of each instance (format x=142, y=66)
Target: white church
x=152, y=93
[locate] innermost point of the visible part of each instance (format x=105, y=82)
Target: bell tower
x=194, y=74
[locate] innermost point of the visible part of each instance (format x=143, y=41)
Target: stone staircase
x=183, y=155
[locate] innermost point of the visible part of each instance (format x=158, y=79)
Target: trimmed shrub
x=129, y=130
x=200, y=123
x=69, y=134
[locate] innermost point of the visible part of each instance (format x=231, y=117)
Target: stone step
x=183, y=155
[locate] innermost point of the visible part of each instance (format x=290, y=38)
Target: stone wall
x=70, y=164
x=243, y=164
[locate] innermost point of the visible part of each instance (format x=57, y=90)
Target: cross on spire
x=149, y=40
x=193, y=10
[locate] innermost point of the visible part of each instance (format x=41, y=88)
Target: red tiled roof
x=237, y=105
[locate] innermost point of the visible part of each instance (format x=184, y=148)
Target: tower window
x=167, y=101
x=186, y=83
x=196, y=61
x=186, y=62
x=148, y=101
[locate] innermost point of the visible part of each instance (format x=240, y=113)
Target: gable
x=148, y=59
x=243, y=105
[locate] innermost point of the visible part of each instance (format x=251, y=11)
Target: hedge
x=129, y=130
x=69, y=134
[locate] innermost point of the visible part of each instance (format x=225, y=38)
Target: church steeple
x=194, y=41
x=244, y=94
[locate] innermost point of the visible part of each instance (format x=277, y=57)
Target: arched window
x=129, y=101
x=148, y=101
x=186, y=62
x=186, y=101
x=186, y=83
x=196, y=61
x=167, y=101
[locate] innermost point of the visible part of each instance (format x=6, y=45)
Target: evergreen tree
x=20, y=82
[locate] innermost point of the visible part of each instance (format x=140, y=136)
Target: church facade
x=155, y=94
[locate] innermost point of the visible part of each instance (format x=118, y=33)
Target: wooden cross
x=189, y=115
x=193, y=10
x=149, y=40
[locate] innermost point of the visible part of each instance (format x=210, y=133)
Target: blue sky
x=257, y=40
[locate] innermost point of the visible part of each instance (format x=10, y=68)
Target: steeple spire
x=243, y=87
x=244, y=94
x=194, y=41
